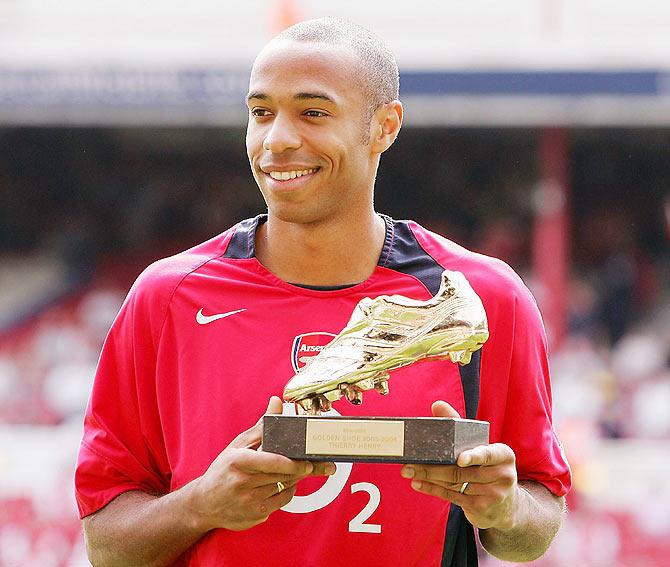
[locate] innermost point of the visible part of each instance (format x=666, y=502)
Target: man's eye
x=260, y=112
x=314, y=113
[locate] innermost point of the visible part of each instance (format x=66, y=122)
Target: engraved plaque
x=375, y=438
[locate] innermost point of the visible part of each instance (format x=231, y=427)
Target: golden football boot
x=389, y=332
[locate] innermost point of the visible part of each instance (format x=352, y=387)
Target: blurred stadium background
x=536, y=130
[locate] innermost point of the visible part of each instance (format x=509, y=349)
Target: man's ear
x=385, y=125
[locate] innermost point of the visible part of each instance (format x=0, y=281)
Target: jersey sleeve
x=516, y=388
x=122, y=447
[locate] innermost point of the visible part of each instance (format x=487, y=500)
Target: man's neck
x=322, y=254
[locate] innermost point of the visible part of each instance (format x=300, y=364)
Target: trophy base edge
x=374, y=439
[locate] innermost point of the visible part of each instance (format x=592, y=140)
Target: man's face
x=307, y=133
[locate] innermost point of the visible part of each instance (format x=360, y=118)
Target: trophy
x=383, y=334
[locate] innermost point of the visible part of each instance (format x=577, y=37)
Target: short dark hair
x=378, y=75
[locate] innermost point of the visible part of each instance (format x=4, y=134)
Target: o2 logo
x=332, y=488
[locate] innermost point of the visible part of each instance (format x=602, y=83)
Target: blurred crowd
x=106, y=203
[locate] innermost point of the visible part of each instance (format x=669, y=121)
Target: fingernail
x=309, y=467
x=464, y=461
x=416, y=484
x=330, y=468
x=407, y=472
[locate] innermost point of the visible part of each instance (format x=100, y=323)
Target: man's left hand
x=489, y=498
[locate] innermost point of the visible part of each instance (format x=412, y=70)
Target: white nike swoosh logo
x=204, y=319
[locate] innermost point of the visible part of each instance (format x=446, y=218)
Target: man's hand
x=489, y=498
x=238, y=491
x=240, y=488
x=517, y=521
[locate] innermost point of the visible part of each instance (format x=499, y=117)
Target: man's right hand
x=239, y=489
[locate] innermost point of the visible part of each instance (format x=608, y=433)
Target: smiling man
x=314, y=140
x=206, y=337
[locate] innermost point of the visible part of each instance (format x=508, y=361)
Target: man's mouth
x=293, y=174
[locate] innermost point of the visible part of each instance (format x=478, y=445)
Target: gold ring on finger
x=465, y=485
x=280, y=487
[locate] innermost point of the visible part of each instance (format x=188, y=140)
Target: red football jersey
x=175, y=384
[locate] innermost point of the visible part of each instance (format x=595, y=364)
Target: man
x=206, y=337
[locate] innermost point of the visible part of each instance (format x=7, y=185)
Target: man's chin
x=295, y=213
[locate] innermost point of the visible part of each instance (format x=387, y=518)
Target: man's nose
x=282, y=135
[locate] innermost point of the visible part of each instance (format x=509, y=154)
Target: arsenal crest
x=306, y=346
